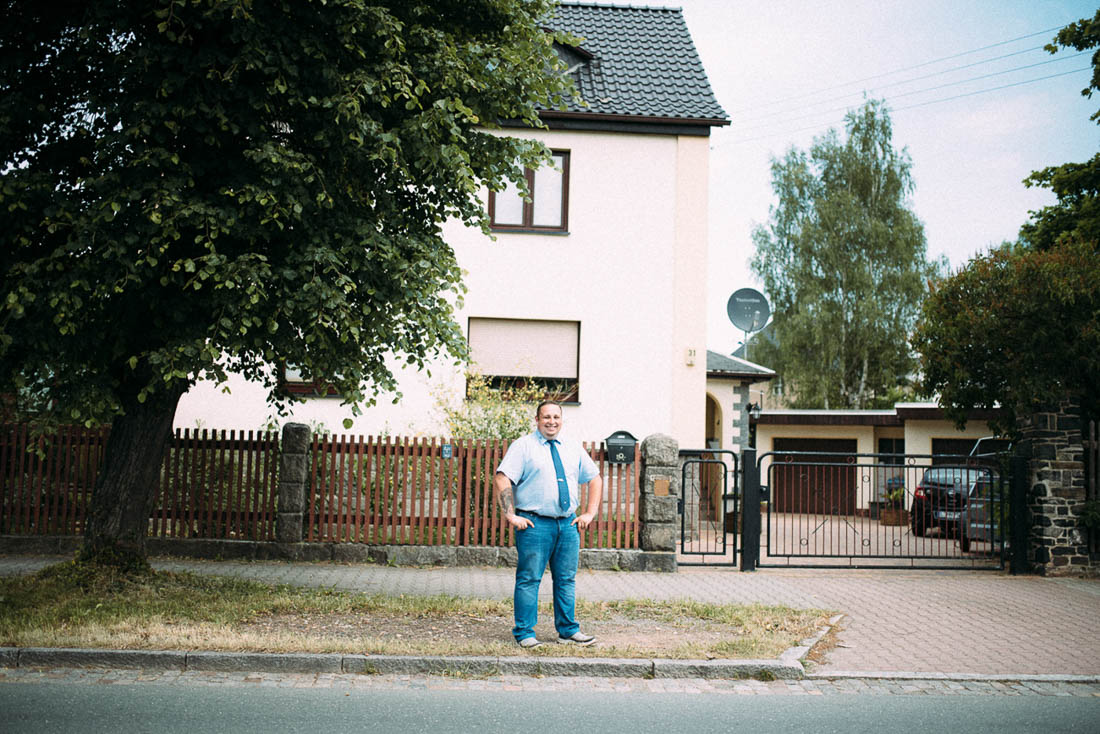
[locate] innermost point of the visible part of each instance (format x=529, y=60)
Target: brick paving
x=912, y=622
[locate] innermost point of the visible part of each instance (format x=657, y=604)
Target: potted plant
x=893, y=511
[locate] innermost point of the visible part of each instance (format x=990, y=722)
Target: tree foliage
x=1076, y=214
x=1015, y=331
x=844, y=262
x=198, y=187
x=202, y=187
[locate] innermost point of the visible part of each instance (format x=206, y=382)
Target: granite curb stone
x=711, y=669
x=394, y=664
x=578, y=667
x=798, y=652
x=61, y=657
x=419, y=665
x=636, y=668
x=264, y=662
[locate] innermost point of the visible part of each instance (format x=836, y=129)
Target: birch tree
x=844, y=262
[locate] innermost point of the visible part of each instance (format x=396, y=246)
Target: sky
x=786, y=71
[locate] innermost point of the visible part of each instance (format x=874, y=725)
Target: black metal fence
x=709, y=518
x=884, y=510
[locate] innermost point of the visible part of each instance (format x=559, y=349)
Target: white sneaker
x=528, y=643
x=578, y=638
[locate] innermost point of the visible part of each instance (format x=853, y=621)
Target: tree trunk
x=125, y=490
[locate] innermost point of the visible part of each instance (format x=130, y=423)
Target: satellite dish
x=748, y=309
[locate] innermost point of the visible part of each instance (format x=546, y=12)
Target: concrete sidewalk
x=945, y=624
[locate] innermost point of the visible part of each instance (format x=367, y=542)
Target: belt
x=544, y=517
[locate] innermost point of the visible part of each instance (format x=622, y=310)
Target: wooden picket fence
x=223, y=485
x=46, y=482
x=419, y=491
x=219, y=485
x=212, y=484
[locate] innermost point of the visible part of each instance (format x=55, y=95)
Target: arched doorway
x=714, y=423
x=711, y=479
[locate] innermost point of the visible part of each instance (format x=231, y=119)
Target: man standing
x=536, y=488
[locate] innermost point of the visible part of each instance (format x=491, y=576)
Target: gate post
x=293, y=482
x=1056, y=493
x=659, y=496
x=1018, y=515
x=750, y=509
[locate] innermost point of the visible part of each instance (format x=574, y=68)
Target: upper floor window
x=548, y=209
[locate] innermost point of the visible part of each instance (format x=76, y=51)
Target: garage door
x=948, y=450
x=824, y=485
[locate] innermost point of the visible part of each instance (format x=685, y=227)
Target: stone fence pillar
x=660, y=494
x=1058, y=543
x=293, y=482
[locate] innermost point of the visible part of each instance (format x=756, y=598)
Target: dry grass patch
x=65, y=606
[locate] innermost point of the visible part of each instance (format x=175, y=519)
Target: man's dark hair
x=538, y=409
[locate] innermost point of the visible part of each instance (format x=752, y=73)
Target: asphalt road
x=133, y=708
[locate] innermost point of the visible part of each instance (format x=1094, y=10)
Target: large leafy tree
x=1019, y=328
x=1015, y=330
x=843, y=260
x=198, y=187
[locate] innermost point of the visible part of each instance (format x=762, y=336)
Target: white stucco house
x=599, y=282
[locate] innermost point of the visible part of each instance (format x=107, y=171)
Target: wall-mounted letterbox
x=620, y=447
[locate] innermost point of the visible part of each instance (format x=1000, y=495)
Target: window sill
x=309, y=391
x=520, y=230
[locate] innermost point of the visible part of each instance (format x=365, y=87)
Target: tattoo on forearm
x=507, y=504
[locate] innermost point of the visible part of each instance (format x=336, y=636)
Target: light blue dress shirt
x=530, y=467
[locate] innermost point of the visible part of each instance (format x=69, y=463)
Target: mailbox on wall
x=620, y=447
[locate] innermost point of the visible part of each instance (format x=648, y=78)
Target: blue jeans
x=553, y=540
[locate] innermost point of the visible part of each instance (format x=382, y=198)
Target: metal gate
x=878, y=510
x=708, y=508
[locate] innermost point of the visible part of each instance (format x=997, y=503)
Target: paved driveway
x=912, y=621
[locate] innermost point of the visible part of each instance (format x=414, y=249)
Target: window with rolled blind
x=510, y=352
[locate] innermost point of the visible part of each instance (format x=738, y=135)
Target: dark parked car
x=941, y=497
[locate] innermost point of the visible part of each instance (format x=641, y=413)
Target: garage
x=824, y=484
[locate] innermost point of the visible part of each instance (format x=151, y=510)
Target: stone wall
x=597, y=559
x=660, y=498
x=293, y=482
x=1057, y=543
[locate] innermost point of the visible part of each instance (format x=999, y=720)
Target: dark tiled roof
x=642, y=63
x=719, y=365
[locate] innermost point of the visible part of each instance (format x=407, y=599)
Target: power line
x=903, y=81
x=934, y=88
x=909, y=107
x=994, y=89
x=916, y=66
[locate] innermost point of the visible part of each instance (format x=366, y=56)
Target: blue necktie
x=559, y=471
